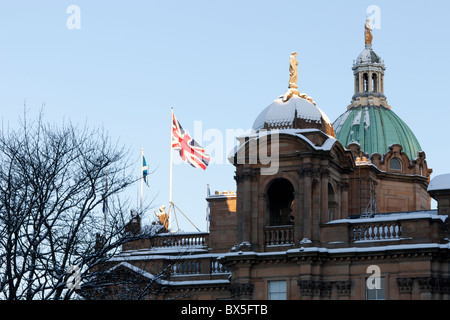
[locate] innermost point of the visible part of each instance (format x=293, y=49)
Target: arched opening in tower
x=280, y=196
x=374, y=83
x=366, y=82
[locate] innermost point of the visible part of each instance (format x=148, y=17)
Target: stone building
x=341, y=211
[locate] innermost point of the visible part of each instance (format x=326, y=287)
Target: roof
x=327, y=145
x=368, y=56
x=375, y=128
x=440, y=182
x=281, y=115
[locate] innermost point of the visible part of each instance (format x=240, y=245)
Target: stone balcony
x=278, y=235
x=385, y=229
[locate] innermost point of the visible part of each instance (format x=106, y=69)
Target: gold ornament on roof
x=163, y=217
x=293, y=75
x=368, y=32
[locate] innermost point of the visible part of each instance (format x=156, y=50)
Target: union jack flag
x=190, y=150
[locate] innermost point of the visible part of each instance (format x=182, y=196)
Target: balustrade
x=179, y=240
x=195, y=266
x=375, y=231
x=186, y=267
x=278, y=235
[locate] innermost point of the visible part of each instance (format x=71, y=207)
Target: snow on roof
x=326, y=146
x=428, y=214
x=440, y=182
x=282, y=114
x=160, y=253
x=414, y=246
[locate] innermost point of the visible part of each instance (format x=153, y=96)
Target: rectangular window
x=377, y=294
x=277, y=290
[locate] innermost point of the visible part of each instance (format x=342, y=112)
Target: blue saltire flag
x=145, y=171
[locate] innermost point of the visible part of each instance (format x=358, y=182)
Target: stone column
x=243, y=210
x=324, y=202
x=299, y=208
x=307, y=172
x=239, y=206
x=262, y=218
x=361, y=82
x=246, y=223
x=317, y=197
x=379, y=75
x=344, y=200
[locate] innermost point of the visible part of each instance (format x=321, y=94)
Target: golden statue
x=368, y=34
x=293, y=71
x=292, y=90
x=163, y=217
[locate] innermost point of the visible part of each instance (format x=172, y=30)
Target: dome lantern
x=368, y=71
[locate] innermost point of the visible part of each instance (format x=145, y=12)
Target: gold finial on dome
x=367, y=33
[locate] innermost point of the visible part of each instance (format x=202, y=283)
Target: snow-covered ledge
x=403, y=227
x=439, y=189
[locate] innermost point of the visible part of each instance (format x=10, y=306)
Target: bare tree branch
x=52, y=186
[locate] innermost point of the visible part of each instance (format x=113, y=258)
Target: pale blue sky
x=219, y=62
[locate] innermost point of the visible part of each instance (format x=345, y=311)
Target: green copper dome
x=375, y=128
x=369, y=120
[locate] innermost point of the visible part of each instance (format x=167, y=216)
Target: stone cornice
x=354, y=254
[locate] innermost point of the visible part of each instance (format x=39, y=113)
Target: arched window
x=280, y=196
x=366, y=82
x=395, y=164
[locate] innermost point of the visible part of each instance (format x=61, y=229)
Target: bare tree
x=52, y=188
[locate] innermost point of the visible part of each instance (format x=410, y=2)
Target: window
x=395, y=164
x=377, y=294
x=277, y=290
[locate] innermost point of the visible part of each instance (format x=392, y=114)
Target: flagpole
x=142, y=175
x=170, y=183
